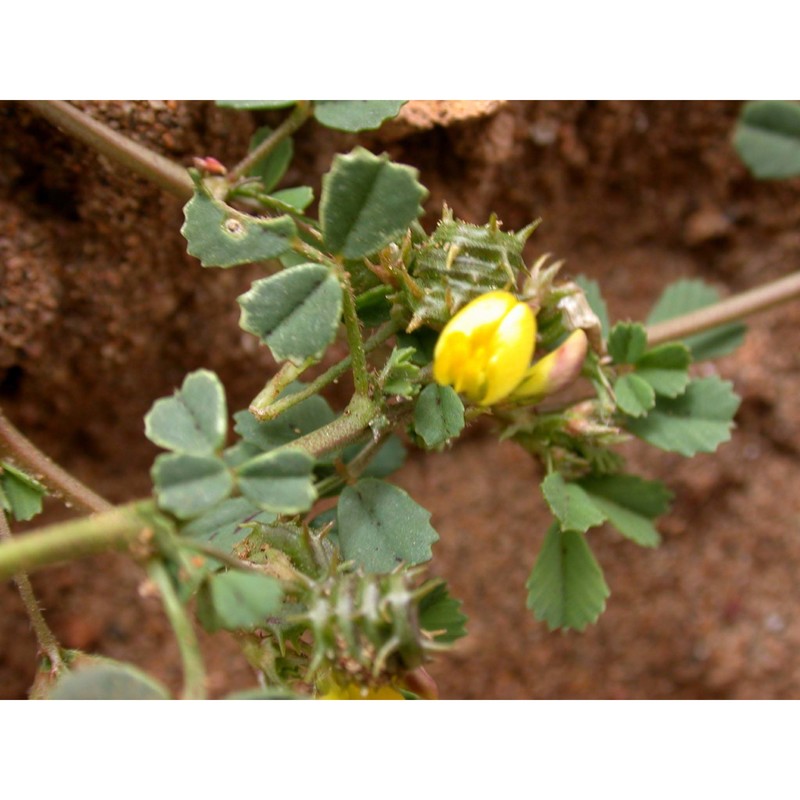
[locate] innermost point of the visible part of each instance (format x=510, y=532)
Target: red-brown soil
x=102, y=311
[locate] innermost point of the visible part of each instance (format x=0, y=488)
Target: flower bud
x=555, y=371
x=354, y=692
x=485, y=350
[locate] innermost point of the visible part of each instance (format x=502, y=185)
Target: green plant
x=441, y=328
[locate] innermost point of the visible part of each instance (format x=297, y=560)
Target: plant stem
x=117, y=529
x=354, y=338
x=145, y=162
x=48, y=644
x=342, y=431
x=264, y=411
x=194, y=672
x=731, y=309
x=300, y=113
x=28, y=457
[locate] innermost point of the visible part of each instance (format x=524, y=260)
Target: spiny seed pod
x=457, y=264
x=366, y=627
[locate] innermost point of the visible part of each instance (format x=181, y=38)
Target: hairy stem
x=270, y=410
x=354, y=338
x=731, y=309
x=48, y=644
x=300, y=113
x=145, y=162
x=117, y=529
x=194, y=672
x=28, y=457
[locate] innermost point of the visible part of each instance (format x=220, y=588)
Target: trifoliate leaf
x=189, y=485
x=280, y=481
x=194, y=420
x=221, y=236
x=20, y=494
x=367, y=202
x=696, y=422
x=388, y=459
x=438, y=415
x=355, y=115
x=440, y=614
x=685, y=296
x=665, y=368
x=635, y=396
x=397, y=377
x=297, y=421
x=566, y=588
x=627, y=342
x=570, y=504
x=221, y=526
x=255, y=105
x=238, y=600
x=380, y=526
x=295, y=313
x=630, y=504
x=272, y=166
x=767, y=138
x=108, y=680
x=591, y=290
x=298, y=197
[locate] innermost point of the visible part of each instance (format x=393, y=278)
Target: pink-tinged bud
x=555, y=371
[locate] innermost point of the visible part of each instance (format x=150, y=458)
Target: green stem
x=194, y=672
x=342, y=431
x=300, y=113
x=262, y=407
x=145, y=162
x=48, y=643
x=732, y=309
x=28, y=457
x=354, y=338
x=117, y=529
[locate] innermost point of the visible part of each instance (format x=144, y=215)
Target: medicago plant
x=331, y=599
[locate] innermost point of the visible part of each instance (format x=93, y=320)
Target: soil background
x=102, y=312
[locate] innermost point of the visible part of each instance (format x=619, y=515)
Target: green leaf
x=696, y=422
x=108, y=680
x=665, y=368
x=438, y=415
x=397, y=377
x=295, y=313
x=307, y=416
x=380, y=526
x=194, y=420
x=238, y=600
x=265, y=693
x=440, y=614
x=685, y=296
x=255, y=105
x=767, y=138
x=570, y=504
x=367, y=202
x=20, y=494
x=221, y=236
x=221, y=526
x=279, y=481
x=635, y=396
x=188, y=485
x=627, y=342
x=298, y=197
x=388, y=460
x=566, y=588
x=591, y=289
x=355, y=115
x=272, y=166
x=630, y=504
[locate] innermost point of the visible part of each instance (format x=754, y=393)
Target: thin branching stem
x=158, y=169
x=300, y=113
x=194, y=672
x=28, y=457
x=48, y=643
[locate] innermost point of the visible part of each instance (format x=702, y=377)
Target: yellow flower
x=354, y=692
x=486, y=348
x=485, y=351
